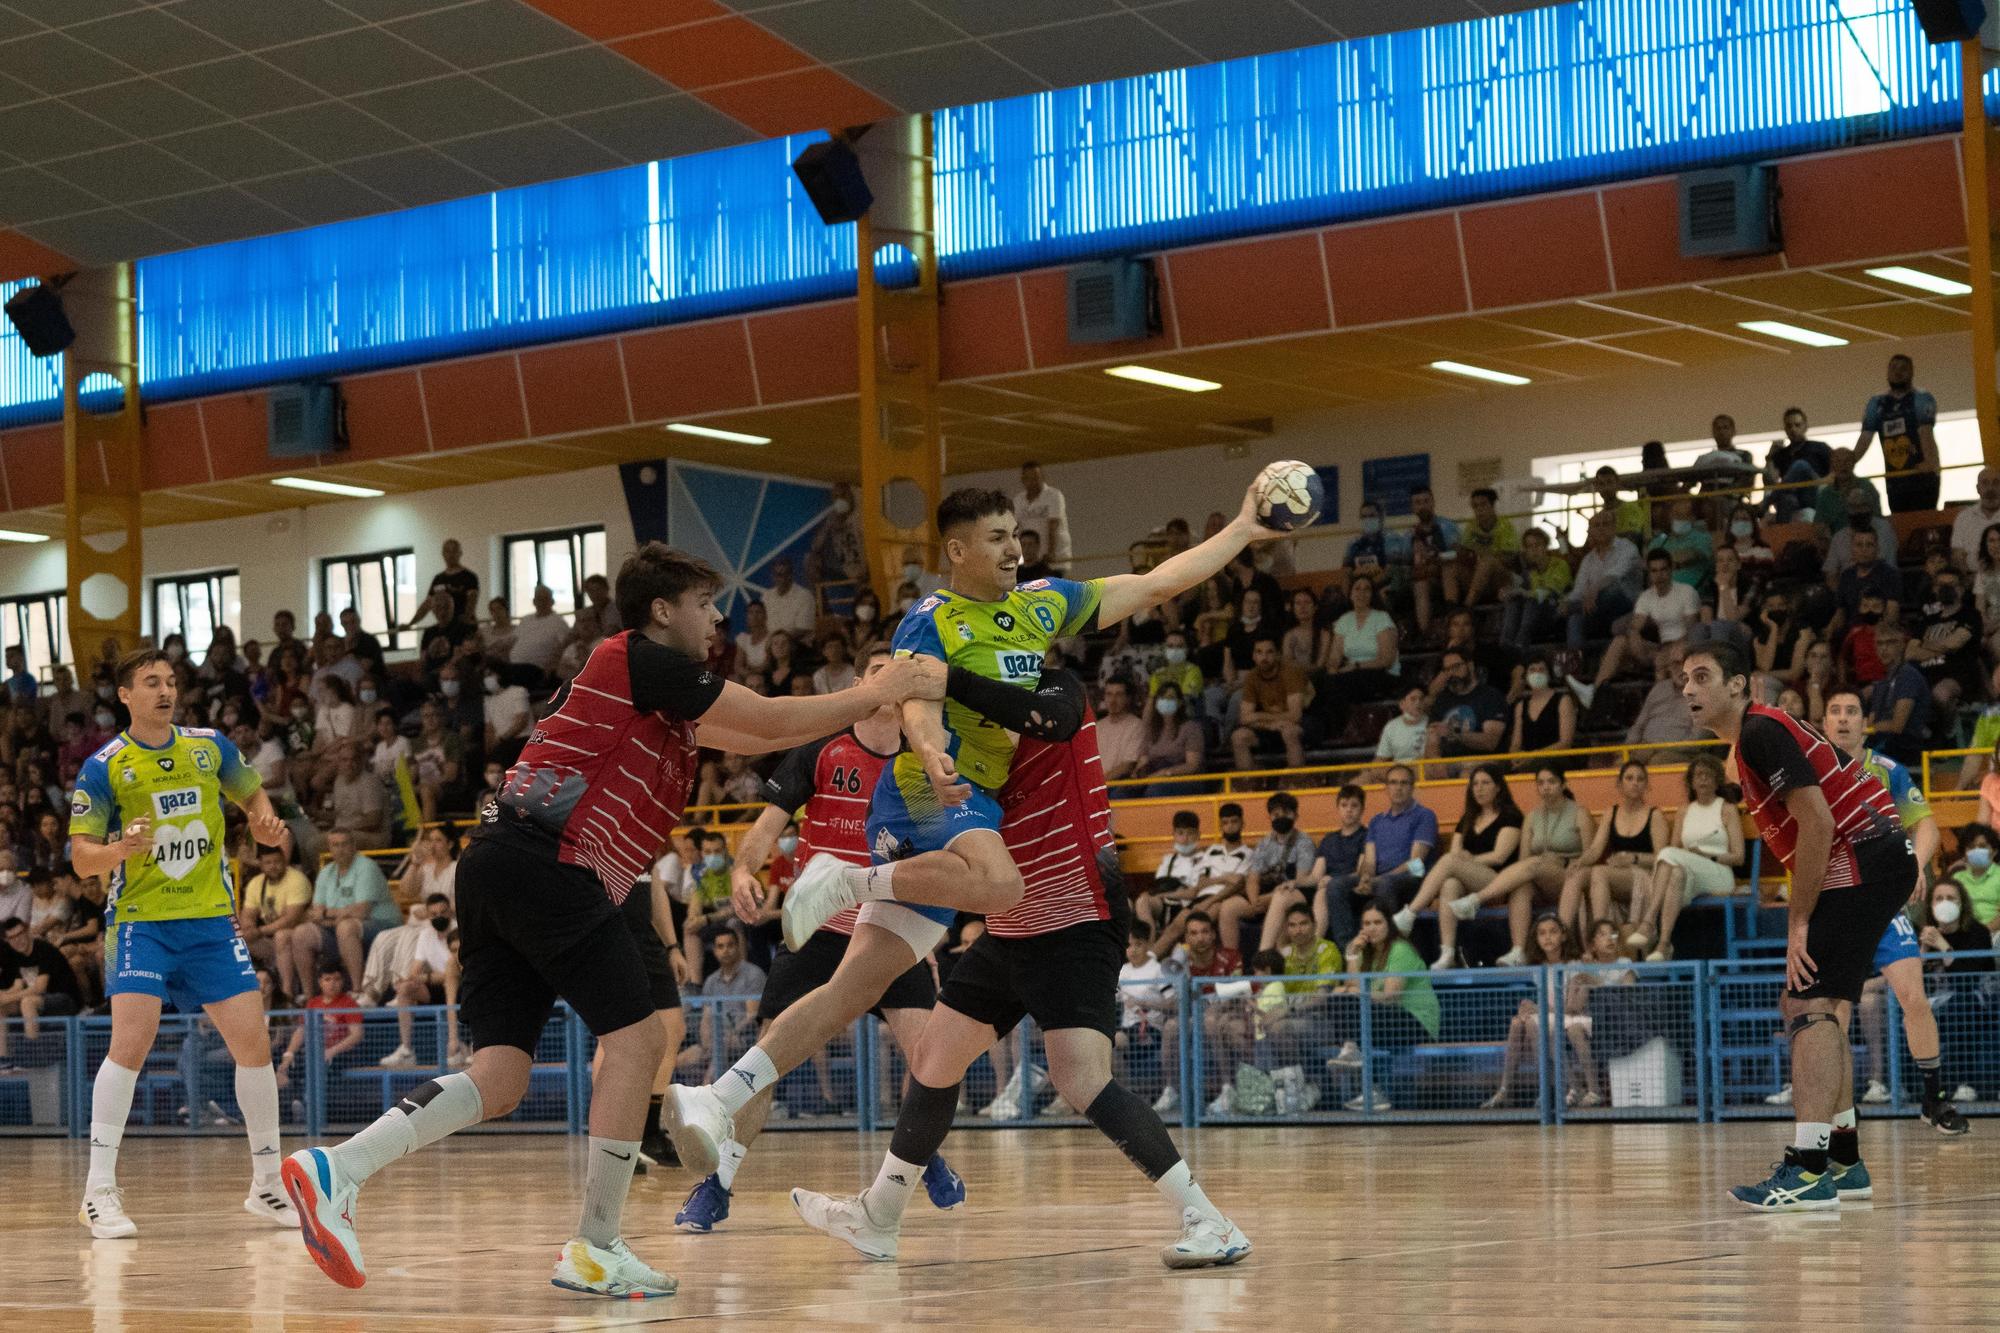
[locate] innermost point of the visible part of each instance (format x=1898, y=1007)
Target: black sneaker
x=658, y=1150
x=1945, y=1118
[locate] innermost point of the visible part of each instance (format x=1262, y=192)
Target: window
x=38, y=622
x=382, y=588
x=562, y=559
x=194, y=606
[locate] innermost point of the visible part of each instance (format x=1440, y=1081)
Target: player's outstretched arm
x=1124, y=594
x=1052, y=711
x=744, y=722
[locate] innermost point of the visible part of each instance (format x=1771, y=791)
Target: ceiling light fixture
x=326, y=487
x=1776, y=328
x=1163, y=379
x=1480, y=373
x=711, y=433
x=1922, y=281
x=10, y=535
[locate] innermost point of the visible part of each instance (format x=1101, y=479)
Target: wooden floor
x=1492, y=1227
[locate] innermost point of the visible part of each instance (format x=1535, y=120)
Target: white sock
x=606, y=1181
x=257, y=1094
x=742, y=1080
x=869, y=883
x=1812, y=1134
x=726, y=1163
x=1179, y=1189
x=1844, y=1119
x=430, y=1111
x=885, y=1200
x=110, y=1106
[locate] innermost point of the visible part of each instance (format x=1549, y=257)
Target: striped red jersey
x=604, y=778
x=832, y=779
x=1055, y=818
x=1777, y=754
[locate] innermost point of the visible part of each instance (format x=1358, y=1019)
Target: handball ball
x=1289, y=495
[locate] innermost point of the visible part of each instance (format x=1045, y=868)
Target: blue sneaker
x=1851, y=1182
x=1791, y=1189
x=706, y=1205
x=943, y=1184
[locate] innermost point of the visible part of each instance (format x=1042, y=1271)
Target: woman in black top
x=1544, y=717
x=1487, y=838
x=1960, y=998
x=1781, y=641
x=1619, y=861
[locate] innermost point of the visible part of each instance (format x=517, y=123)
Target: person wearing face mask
x=1946, y=645
x=1179, y=670
x=1281, y=864
x=837, y=554
x=422, y=979
x=1687, y=545
x=1959, y=990
x=1179, y=870
x=868, y=631
x=917, y=578
x=1369, y=552
x=1978, y=873
x=709, y=909
x=1173, y=743
x=1224, y=869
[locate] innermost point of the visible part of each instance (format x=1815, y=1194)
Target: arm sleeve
x=1769, y=749
x=667, y=681
x=90, y=807
x=1052, y=711
x=239, y=781
x=791, y=783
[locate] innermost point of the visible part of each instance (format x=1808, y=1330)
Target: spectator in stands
x=1363, y=653
x=1173, y=743
x=1468, y=716
x=1534, y=603
x=51, y=910
x=1544, y=717
x=1689, y=549
x=1281, y=863
x=273, y=905
x=21, y=683
x=1551, y=945
x=753, y=642
x=1338, y=856
x=1226, y=1024
x=1178, y=669
x=340, y=1026
x=1145, y=1002
x=1489, y=553
x=1179, y=870
x=431, y=868
x=357, y=804
x=597, y=619
x=1867, y=574
x=1121, y=736
x=1978, y=873
x=1577, y=1020
x=1779, y=639
x=1905, y=418
x=710, y=911
x=437, y=762
x=1400, y=842
x=836, y=669
x=507, y=716
x=1305, y=642
x=460, y=584
x=1032, y=565
x=789, y=606
x=359, y=644
x=1274, y=696
x=539, y=639
x=423, y=978
x=36, y=982
x=1224, y=870
x=1969, y=527
x=1700, y=860
x=733, y=990
x=1630, y=519
x=1840, y=550
x=1899, y=707
x=837, y=555
x=1618, y=864
x=1296, y=1026
x=63, y=698
x=1406, y=736
x=1040, y=509
x=1421, y=553
x=1831, y=502
x=440, y=642
x=351, y=906
x=1553, y=838
x=1486, y=841
x=1797, y=460
x=918, y=580
x=1368, y=553
x=1946, y=644
x=1607, y=582
x=391, y=748
x=1668, y=607
x=1405, y=1008
x=782, y=666
x=1731, y=601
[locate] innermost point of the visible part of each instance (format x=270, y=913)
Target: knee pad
x=1800, y=1022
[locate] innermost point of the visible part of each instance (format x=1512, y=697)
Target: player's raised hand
x=951, y=790
x=1246, y=518
x=912, y=678
x=746, y=893
x=138, y=837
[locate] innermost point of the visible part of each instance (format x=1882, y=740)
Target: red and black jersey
x=1055, y=818
x=832, y=778
x=1777, y=754
x=604, y=778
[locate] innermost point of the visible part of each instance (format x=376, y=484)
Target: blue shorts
x=1899, y=942
x=192, y=963
x=905, y=819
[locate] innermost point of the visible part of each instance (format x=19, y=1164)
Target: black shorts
x=1065, y=979
x=532, y=930
x=638, y=913
x=794, y=976
x=1847, y=924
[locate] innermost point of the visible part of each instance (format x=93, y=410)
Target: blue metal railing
x=1556, y=97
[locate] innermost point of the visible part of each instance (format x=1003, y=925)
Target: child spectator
x=1146, y=1001
x=1549, y=946
x=1337, y=856
x=1577, y=1021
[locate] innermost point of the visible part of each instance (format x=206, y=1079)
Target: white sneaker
x=459, y=1058
x=1876, y=1094
x=609, y=1271
x=1585, y=694
x=1406, y=920
x=1445, y=961
x=1002, y=1107
x=1307, y=1099
x=1464, y=907
x=1381, y=1102
x=1512, y=958
x=1965, y=1093
x=846, y=1219
x=267, y=1200
x=1348, y=1057
x=1058, y=1109
x=400, y=1058
x=1168, y=1102
x=1782, y=1097
x=103, y=1211
x=324, y=1199
x=1206, y=1242
x=1224, y=1103
x=819, y=894
x=698, y=1123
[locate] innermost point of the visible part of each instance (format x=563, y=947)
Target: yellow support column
x=101, y=464
x=1982, y=171
x=902, y=451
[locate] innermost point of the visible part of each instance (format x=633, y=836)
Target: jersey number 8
x=1046, y=618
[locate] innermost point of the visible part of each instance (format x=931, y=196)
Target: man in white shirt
x=507, y=717
x=1668, y=605
x=539, y=638
x=1040, y=509
x=1405, y=735
x=1968, y=530
x=1121, y=736
x=1181, y=867
x=789, y=606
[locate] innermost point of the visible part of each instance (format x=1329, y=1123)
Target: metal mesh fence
x=188, y=1080
x=36, y=1088
x=1627, y=1042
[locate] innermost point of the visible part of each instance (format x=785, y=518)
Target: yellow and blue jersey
x=180, y=786
x=1911, y=806
x=1004, y=641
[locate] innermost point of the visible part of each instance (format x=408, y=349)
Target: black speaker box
x=832, y=176
x=37, y=315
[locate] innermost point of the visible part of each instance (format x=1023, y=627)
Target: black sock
x=924, y=1122
x=1844, y=1147
x=1933, y=1072
x=1124, y=1118
x=653, y=1114
x=1812, y=1159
